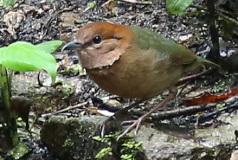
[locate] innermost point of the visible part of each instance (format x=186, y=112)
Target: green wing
x=177, y=53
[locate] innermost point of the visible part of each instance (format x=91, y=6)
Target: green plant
x=23, y=56
x=128, y=147
x=68, y=143
x=106, y=151
x=217, y=19
x=7, y=3
x=177, y=6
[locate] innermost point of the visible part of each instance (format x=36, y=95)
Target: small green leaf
x=177, y=6
x=91, y=5
x=97, y=138
x=104, y=152
x=7, y=3
x=19, y=151
x=127, y=157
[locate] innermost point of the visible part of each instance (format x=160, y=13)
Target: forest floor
x=38, y=21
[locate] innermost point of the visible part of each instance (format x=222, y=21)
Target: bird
x=132, y=62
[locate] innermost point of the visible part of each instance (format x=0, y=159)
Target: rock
x=71, y=138
x=78, y=139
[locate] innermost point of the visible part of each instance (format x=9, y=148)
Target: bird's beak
x=74, y=45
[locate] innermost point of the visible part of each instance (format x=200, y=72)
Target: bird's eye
x=97, y=40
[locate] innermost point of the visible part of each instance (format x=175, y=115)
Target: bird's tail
x=199, y=62
x=205, y=61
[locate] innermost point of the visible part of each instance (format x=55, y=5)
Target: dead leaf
x=210, y=98
x=13, y=20
x=68, y=19
x=22, y=107
x=109, y=5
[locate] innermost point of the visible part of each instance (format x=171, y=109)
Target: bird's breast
x=137, y=74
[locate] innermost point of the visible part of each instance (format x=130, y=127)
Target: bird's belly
x=135, y=83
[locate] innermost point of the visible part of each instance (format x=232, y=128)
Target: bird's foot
x=134, y=124
x=115, y=119
x=118, y=115
x=103, y=125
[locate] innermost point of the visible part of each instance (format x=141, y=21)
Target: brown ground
x=38, y=21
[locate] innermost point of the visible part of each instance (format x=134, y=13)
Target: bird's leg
x=194, y=75
x=136, y=124
x=120, y=112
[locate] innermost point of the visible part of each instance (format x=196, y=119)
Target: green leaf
x=19, y=151
x=91, y=5
x=49, y=46
x=97, y=138
x=104, y=152
x=7, y=3
x=127, y=157
x=177, y=6
x=24, y=56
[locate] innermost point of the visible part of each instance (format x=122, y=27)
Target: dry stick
x=218, y=12
x=131, y=1
x=176, y=112
x=225, y=12
x=65, y=109
x=182, y=84
x=193, y=76
x=137, y=2
x=156, y=116
x=215, y=113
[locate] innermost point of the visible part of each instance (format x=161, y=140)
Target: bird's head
x=100, y=44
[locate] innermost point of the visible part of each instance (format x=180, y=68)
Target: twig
x=228, y=18
x=225, y=12
x=65, y=109
x=218, y=12
x=137, y=2
x=176, y=112
x=214, y=114
x=181, y=80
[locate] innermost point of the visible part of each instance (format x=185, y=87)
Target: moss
x=130, y=150
x=107, y=151
x=125, y=148
x=68, y=143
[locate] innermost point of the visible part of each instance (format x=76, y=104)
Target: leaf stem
x=10, y=114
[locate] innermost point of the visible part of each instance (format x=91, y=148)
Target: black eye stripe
x=117, y=37
x=97, y=39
